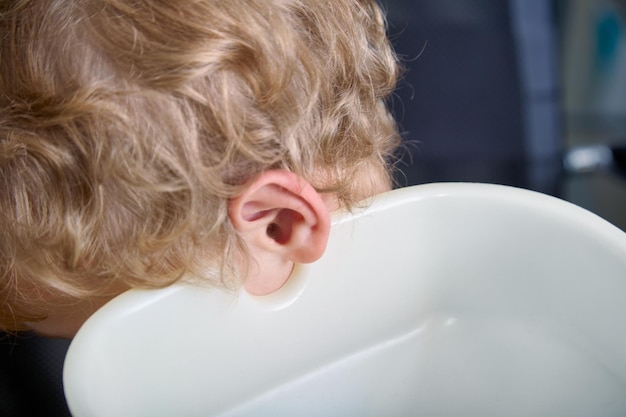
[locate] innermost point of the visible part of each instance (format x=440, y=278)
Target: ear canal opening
x=281, y=229
x=273, y=231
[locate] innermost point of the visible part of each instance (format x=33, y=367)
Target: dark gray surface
x=30, y=376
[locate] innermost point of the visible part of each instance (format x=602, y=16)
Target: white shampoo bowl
x=437, y=300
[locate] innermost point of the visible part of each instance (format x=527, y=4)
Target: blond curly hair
x=126, y=127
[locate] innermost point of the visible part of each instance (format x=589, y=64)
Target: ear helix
x=280, y=212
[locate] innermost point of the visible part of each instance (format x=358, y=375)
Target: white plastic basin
x=436, y=300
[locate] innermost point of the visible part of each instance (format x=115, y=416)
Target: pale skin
x=282, y=219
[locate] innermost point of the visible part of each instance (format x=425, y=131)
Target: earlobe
x=282, y=220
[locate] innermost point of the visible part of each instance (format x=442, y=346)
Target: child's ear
x=283, y=221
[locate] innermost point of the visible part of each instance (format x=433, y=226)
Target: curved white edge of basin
x=440, y=299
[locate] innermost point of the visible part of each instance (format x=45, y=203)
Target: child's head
x=128, y=128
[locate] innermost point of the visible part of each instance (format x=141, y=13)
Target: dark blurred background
x=528, y=93
x=468, y=91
